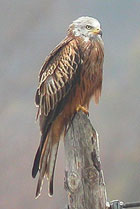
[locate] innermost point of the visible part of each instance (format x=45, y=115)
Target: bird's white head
x=86, y=27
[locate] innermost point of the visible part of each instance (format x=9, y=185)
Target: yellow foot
x=83, y=109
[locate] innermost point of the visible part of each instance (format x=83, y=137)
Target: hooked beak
x=97, y=31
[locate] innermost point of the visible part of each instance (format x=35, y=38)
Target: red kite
x=69, y=78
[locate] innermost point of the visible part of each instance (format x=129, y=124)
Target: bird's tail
x=47, y=164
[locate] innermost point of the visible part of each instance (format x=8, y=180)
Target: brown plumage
x=70, y=76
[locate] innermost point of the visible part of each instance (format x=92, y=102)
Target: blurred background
x=29, y=30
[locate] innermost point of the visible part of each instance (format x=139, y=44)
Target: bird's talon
x=83, y=109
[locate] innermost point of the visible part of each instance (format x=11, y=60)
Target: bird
x=70, y=77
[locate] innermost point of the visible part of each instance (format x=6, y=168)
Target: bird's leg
x=80, y=107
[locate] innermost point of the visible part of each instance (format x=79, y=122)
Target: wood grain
x=84, y=179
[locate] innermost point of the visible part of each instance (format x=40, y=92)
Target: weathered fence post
x=84, y=179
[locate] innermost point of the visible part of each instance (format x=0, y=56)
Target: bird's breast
x=90, y=79
x=91, y=71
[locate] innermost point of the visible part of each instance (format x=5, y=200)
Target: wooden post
x=83, y=175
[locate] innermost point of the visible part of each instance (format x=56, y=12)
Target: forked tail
x=46, y=163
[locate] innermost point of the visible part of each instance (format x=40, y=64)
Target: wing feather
x=56, y=79
x=60, y=71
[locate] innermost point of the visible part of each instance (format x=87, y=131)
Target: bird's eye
x=88, y=27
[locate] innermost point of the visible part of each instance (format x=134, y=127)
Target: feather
x=55, y=82
x=70, y=76
x=51, y=167
x=43, y=164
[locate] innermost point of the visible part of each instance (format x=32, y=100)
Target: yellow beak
x=97, y=31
